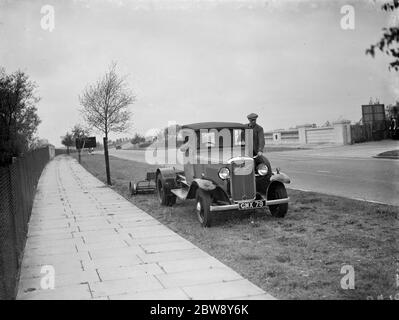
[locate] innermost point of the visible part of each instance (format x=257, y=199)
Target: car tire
x=165, y=197
x=203, y=207
x=171, y=199
x=278, y=210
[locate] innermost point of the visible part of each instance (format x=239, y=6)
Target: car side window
x=239, y=137
x=207, y=139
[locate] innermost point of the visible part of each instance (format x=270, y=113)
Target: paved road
x=359, y=178
x=348, y=171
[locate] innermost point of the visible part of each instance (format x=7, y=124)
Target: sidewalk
x=101, y=246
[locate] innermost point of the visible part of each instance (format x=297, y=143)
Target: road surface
x=350, y=176
x=359, y=178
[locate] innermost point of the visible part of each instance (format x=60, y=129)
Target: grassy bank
x=393, y=154
x=298, y=257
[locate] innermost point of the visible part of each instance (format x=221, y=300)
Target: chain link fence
x=18, y=183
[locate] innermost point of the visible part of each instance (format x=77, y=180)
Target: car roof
x=214, y=125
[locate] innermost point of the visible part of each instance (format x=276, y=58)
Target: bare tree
x=105, y=107
x=79, y=133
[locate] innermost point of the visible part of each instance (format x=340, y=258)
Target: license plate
x=252, y=205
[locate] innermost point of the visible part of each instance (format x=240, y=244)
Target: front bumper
x=235, y=205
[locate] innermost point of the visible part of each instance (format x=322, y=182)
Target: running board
x=180, y=193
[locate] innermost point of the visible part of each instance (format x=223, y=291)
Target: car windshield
x=221, y=138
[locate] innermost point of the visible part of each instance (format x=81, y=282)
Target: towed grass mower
x=143, y=186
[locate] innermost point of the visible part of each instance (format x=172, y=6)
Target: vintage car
x=222, y=174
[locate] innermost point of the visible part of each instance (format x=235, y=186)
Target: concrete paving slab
x=54, y=232
x=115, y=261
x=163, y=294
x=156, y=240
x=40, y=242
x=93, y=238
x=101, y=246
x=62, y=258
x=76, y=292
x=96, y=227
x=222, y=290
x=140, y=222
x=138, y=234
x=199, y=276
x=50, y=237
x=169, y=246
x=190, y=264
x=114, y=252
x=124, y=286
x=36, y=270
x=86, y=234
x=62, y=280
x=117, y=273
x=55, y=249
x=174, y=255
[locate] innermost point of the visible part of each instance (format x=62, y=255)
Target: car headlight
x=224, y=173
x=262, y=169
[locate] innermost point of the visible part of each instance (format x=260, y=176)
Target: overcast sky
x=192, y=61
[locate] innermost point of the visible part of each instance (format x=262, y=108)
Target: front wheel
x=278, y=192
x=203, y=207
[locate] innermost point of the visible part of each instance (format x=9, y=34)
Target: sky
x=291, y=62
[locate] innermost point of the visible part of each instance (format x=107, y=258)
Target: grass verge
x=298, y=257
x=393, y=154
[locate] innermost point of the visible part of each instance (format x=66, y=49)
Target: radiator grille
x=242, y=179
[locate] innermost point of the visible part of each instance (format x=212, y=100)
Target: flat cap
x=252, y=116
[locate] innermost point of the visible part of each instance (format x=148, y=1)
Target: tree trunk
x=105, y=141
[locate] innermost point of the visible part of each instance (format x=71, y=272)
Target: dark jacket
x=258, y=138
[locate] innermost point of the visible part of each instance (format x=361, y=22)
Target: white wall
x=320, y=135
x=338, y=133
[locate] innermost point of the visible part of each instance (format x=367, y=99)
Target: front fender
x=216, y=191
x=204, y=184
x=281, y=177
